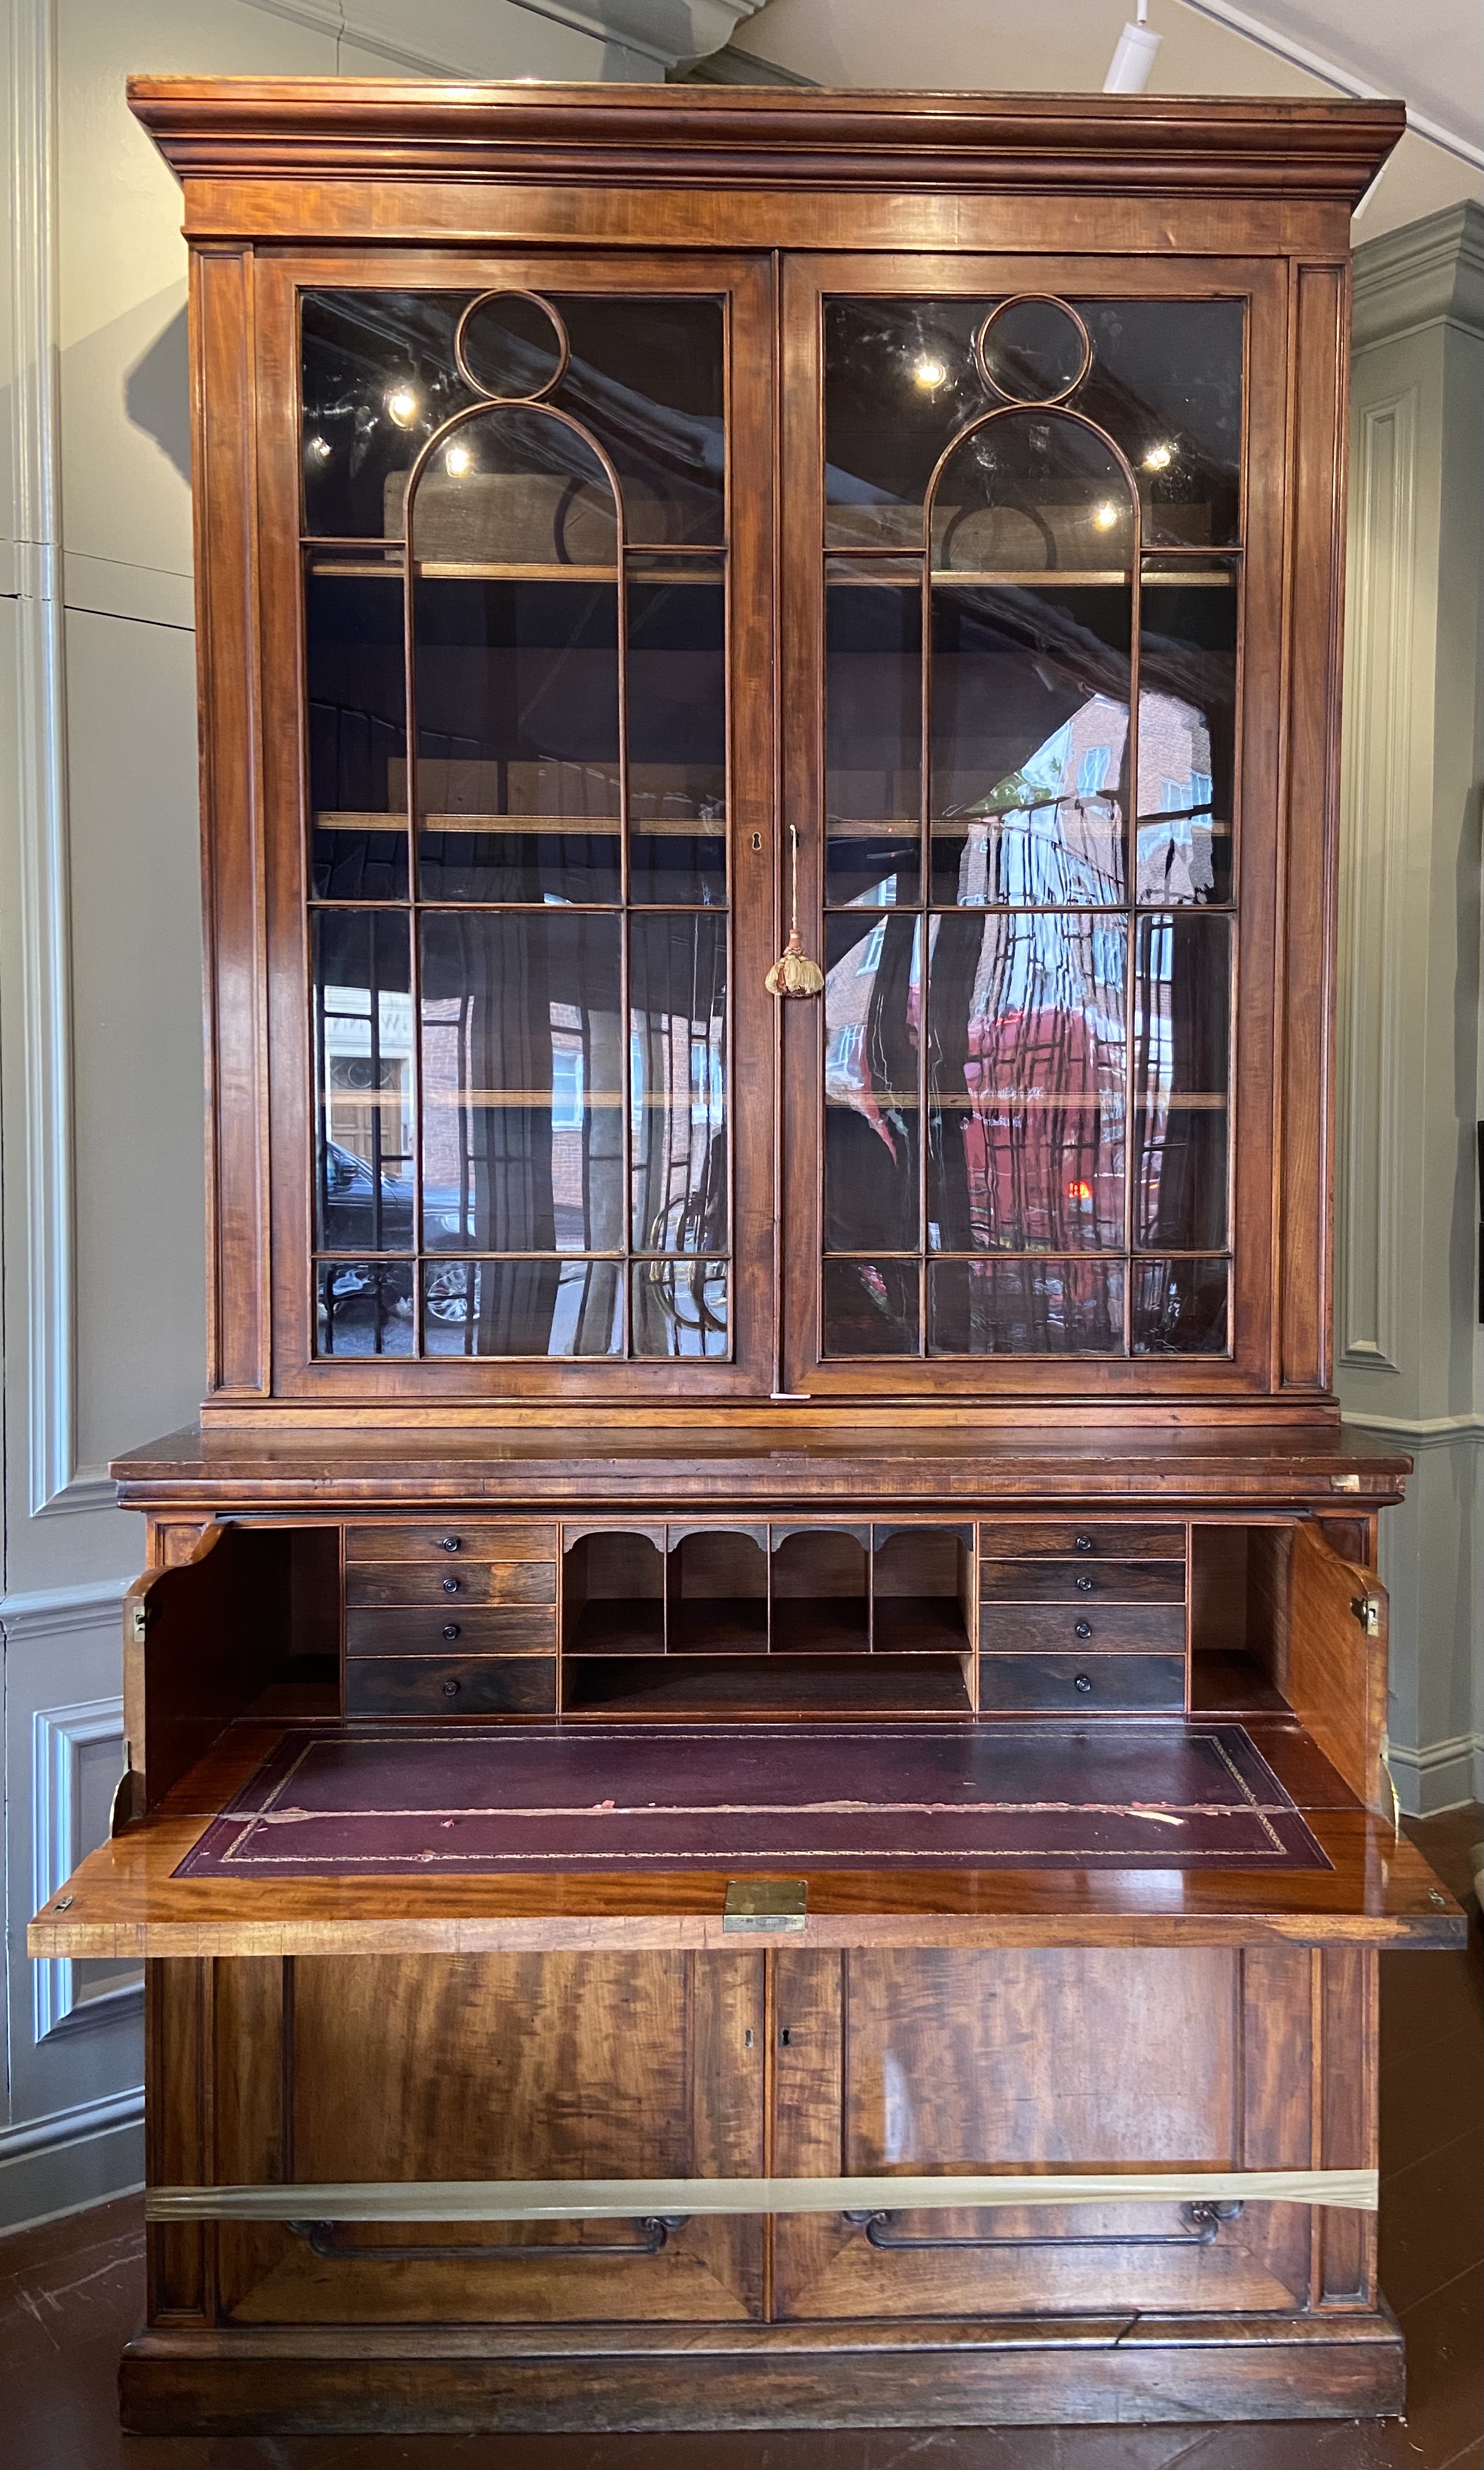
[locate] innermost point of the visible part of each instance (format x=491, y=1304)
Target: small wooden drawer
x=1101, y=1539
x=1082, y=1629
x=451, y=1684
x=411, y=1631
x=454, y=1582
x=1076, y=1684
x=1076, y=1582
x=456, y=1539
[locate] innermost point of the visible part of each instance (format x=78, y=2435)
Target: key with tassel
x=793, y=973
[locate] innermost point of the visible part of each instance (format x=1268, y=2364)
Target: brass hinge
x=141, y=1619
x=1367, y=1612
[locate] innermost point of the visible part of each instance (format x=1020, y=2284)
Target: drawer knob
x=450, y=1689
x=451, y=1629
x=1082, y=1629
x=1085, y=1584
x=1083, y=1682
x=451, y=1586
x=447, y=1543
x=1085, y=1542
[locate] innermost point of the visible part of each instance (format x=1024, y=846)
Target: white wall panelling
x=64, y=1822
x=1378, y=766
x=1411, y=1360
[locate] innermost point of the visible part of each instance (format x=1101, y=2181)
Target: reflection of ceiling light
x=403, y=403
x=457, y=461
x=1159, y=458
x=1105, y=516
x=321, y=448
x=927, y=371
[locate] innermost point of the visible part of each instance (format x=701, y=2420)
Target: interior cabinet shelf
x=770, y=1687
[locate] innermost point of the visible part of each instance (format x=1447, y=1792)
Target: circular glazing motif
x=1032, y=349
x=511, y=347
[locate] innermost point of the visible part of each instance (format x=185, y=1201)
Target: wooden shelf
x=1232, y=1684
x=697, y=1686
x=821, y=1626
x=920, y=1626
x=519, y=826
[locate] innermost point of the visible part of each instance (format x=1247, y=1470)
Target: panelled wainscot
x=756, y=1715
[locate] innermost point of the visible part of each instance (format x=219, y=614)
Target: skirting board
x=1442, y=1776
x=71, y=2160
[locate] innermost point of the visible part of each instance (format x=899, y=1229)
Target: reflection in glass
x=648, y=378
x=1186, y=735
x=1026, y=1083
x=873, y=735
x=521, y=1080
x=522, y=1308
x=680, y=1308
x=379, y=376
x=356, y=713
x=1026, y=1307
x=1180, y=1307
x=872, y=1011
x=518, y=740
x=512, y=346
x=1166, y=384
x=678, y=1082
x=1182, y=1036
x=871, y=1308
x=1033, y=350
x=1032, y=493
x=362, y=1023
x=1030, y=729
x=677, y=685
x=363, y=1308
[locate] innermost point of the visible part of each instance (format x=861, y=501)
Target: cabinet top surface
x=686, y=1463
x=686, y=135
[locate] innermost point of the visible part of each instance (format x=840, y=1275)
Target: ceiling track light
x=1128, y=72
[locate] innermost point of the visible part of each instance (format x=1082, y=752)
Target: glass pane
x=1027, y=1058
x=1166, y=384
x=871, y=1308
x=873, y=718
x=872, y=1006
x=379, y=376
x=517, y=741
x=678, y=1082
x=363, y=1308
x=523, y=1075
x=676, y=683
x=680, y=1308
x=648, y=378
x=356, y=706
x=1182, y=1039
x=1187, y=733
x=522, y=1308
x=363, y=1194
x=1032, y=493
x=1037, y=1307
x=1030, y=730
x=1180, y=1307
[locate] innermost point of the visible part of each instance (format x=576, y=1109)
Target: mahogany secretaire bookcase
x=757, y=1718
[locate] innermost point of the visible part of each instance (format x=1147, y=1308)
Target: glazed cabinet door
x=1033, y=617
x=516, y=539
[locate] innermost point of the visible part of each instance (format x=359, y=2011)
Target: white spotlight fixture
x=403, y=403
x=1134, y=57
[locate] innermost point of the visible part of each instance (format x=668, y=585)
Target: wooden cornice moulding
x=688, y=137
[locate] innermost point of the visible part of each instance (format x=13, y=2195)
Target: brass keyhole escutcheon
x=758, y=840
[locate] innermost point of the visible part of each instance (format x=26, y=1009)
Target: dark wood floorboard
x=71, y=2294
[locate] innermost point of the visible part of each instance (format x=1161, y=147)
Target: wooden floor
x=70, y=2295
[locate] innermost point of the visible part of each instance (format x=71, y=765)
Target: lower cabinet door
x=930, y=2061
x=542, y=2066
